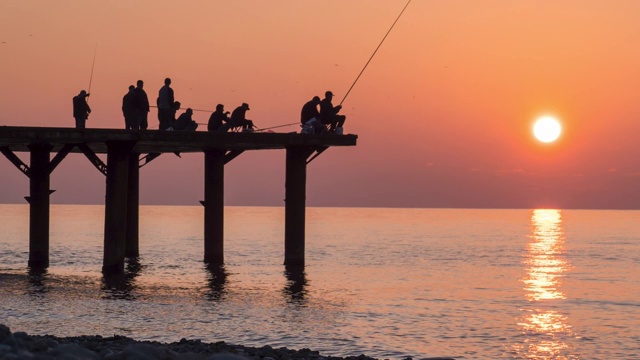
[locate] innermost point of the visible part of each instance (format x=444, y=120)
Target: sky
x=443, y=112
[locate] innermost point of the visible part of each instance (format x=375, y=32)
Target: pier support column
x=214, y=161
x=116, y=199
x=39, y=206
x=295, y=199
x=132, y=247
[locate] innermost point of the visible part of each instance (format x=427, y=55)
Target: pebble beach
x=20, y=345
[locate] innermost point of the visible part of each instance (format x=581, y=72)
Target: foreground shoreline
x=20, y=345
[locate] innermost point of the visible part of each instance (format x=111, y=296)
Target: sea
x=385, y=282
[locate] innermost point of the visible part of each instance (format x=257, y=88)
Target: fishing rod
x=258, y=129
x=278, y=126
x=374, y=53
x=95, y=51
x=263, y=129
x=209, y=111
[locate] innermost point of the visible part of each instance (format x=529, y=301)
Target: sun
x=547, y=129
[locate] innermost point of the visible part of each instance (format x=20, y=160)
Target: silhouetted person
x=185, y=122
x=165, y=105
x=174, y=110
x=142, y=105
x=218, y=119
x=310, y=116
x=310, y=110
x=129, y=109
x=81, y=109
x=238, y=118
x=329, y=113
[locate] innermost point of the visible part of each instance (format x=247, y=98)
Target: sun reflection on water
x=544, y=330
x=545, y=264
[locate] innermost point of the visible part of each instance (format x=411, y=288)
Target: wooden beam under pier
x=132, y=246
x=214, y=161
x=115, y=206
x=295, y=200
x=39, y=192
x=15, y=160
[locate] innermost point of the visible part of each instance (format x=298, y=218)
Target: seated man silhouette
x=185, y=122
x=329, y=113
x=219, y=119
x=238, y=118
x=310, y=117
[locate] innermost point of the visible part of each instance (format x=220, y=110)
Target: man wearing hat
x=238, y=118
x=329, y=113
x=81, y=109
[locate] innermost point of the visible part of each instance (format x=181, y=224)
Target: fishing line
x=374, y=53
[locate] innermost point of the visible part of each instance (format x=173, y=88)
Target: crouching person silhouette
x=329, y=114
x=238, y=118
x=185, y=122
x=219, y=120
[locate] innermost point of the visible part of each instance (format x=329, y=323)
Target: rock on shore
x=20, y=345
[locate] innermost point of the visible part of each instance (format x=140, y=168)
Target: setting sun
x=547, y=129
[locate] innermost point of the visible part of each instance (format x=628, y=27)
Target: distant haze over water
x=389, y=283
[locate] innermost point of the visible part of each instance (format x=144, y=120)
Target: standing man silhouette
x=141, y=105
x=165, y=104
x=81, y=109
x=129, y=109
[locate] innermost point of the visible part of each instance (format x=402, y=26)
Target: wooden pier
x=127, y=151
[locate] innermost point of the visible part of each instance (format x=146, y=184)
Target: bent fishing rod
x=357, y=78
x=374, y=53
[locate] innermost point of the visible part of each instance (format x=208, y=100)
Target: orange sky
x=443, y=112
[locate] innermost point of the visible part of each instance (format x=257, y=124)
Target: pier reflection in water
x=37, y=280
x=217, y=281
x=123, y=286
x=544, y=326
x=294, y=289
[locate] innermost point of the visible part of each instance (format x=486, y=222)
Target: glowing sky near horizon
x=443, y=112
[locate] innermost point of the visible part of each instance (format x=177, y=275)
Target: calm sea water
x=389, y=283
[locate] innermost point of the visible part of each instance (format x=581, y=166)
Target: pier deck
x=127, y=151
x=18, y=139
